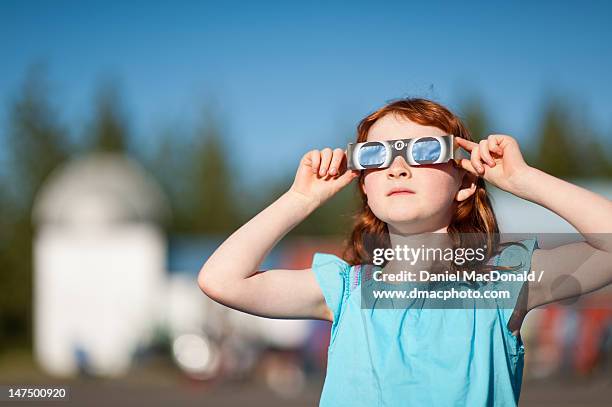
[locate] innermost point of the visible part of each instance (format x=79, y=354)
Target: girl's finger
x=467, y=165
x=475, y=159
x=337, y=157
x=494, y=144
x=483, y=147
x=343, y=163
x=315, y=157
x=466, y=144
x=347, y=177
x=326, y=156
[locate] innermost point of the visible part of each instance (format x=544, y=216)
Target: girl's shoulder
x=338, y=279
x=361, y=273
x=333, y=274
x=517, y=253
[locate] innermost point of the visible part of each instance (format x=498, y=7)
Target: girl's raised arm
x=231, y=277
x=569, y=270
x=576, y=268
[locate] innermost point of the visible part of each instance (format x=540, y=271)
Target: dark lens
x=372, y=154
x=426, y=150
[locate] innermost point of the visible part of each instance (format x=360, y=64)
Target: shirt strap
x=355, y=277
x=361, y=273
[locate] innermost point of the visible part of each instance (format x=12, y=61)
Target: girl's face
x=429, y=205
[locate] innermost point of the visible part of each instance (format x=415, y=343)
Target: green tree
x=569, y=146
x=211, y=187
x=475, y=117
x=36, y=143
x=555, y=153
x=109, y=130
x=592, y=154
x=170, y=163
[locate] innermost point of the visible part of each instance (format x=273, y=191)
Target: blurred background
x=136, y=136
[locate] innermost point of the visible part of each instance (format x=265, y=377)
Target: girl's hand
x=497, y=159
x=322, y=173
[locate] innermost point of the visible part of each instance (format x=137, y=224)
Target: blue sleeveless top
x=419, y=356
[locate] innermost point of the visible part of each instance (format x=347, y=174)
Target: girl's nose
x=399, y=168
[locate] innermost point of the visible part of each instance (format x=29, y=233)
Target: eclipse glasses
x=416, y=151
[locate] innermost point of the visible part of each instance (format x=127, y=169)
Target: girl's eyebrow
x=403, y=138
x=399, y=137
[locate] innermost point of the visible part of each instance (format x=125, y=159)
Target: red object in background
x=593, y=324
x=586, y=349
x=547, y=343
x=299, y=252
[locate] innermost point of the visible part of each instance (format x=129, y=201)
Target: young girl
x=413, y=356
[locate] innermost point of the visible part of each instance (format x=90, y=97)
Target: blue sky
x=290, y=76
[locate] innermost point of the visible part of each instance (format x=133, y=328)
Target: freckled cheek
x=376, y=192
x=439, y=191
x=372, y=187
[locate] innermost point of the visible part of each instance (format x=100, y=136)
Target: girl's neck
x=407, y=241
x=399, y=237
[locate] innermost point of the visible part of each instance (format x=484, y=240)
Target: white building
x=103, y=280
x=99, y=264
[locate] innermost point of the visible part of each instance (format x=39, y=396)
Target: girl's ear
x=362, y=184
x=468, y=187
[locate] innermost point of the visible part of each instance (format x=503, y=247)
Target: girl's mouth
x=400, y=191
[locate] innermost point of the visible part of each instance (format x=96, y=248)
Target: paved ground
x=163, y=385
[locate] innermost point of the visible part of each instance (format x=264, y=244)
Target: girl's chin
x=404, y=217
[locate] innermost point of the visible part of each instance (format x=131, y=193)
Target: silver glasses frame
x=403, y=148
